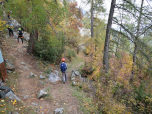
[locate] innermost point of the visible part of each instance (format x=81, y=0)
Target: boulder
x=41, y=77
x=22, y=63
x=59, y=110
x=32, y=75
x=56, y=72
x=54, y=78
x=42, y=93
x=26, y=36
x=75, y=77
x=76, y=73
x=12, y=96
x=9, y=65
x=73, y=83
x=15, y=24
x=4, y=90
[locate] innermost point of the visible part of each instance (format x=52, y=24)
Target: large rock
x=9, y=65
x=12, y=96
x=75, y=77
x=41, y=77
x=32, y=74
x=54, y=78
x=76, y=73
x=15, y=24
x=26, y=36
x=42, y=93
x=56, y=72
x=59, y=110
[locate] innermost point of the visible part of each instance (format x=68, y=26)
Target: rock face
x=59, y=110
x=42, y=93
x=54, y=78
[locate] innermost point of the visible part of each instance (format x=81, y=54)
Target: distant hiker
x=9, y=14
x=63, y=67
x=2, y=3
x=10, y=28
x=20, y=35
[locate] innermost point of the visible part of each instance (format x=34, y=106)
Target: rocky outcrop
x=54, y=78
x=15, y=24
x=26, y=36
x=75, y=77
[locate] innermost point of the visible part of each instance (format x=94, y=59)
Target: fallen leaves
x=14, y=102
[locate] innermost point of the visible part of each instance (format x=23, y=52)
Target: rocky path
x=60, y=95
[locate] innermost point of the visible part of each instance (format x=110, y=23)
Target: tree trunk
x=135, y=49
x=107, y=39
x=92, y=20
x=31, y=43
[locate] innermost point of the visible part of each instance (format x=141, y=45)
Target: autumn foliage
x=115, y=92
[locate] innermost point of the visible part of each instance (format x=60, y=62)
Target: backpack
x=63, y=67
x=20, y=32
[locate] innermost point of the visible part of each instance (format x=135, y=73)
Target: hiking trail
x=60, y=95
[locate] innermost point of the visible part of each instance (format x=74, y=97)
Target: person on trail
x=10, y=28
x=20, y=35
x=9, y=14
x=63, y=67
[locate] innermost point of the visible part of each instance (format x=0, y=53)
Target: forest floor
x=60, y=95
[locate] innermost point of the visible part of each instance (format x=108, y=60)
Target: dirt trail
x=60, y=95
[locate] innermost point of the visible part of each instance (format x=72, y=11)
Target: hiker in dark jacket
x=20, y=35
x=63, y=67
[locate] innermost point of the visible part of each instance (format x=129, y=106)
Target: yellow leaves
x=14, y=102
x=2, y=111
x=2, y=100
x=2, y=25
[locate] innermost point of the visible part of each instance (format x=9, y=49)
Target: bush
x=71, y=54
x=50, y=49
x=86, y=71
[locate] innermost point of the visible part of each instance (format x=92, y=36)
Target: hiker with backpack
x=10, y=28
x=63, y=67
x=20, y=35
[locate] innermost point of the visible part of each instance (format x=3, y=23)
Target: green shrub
x=50, y=48
x=71, y=54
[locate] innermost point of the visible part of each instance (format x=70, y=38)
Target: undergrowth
x=86, y=103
